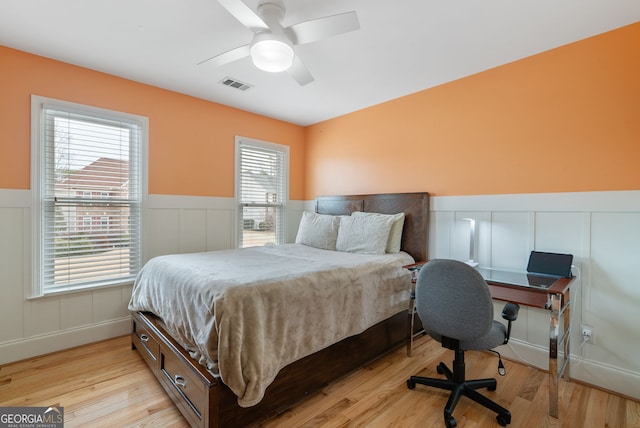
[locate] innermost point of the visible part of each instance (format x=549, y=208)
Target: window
x=262, y=191
x=87, y=195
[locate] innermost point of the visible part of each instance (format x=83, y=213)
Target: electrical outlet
x=586, y=331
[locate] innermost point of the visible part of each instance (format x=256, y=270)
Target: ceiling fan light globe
x=272, y=55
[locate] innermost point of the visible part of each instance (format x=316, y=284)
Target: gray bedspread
x=247, y=313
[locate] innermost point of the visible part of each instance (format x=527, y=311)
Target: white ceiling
x=402, y=47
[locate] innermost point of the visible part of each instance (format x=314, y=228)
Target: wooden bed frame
x=205, y=401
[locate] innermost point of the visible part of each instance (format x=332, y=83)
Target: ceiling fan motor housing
x=272, y=14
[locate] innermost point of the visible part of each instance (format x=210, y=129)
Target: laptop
x=550, y=264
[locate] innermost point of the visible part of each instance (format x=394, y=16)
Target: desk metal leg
x=412, y=316
x=566, y=371
x=560, y=306
x=553, y=354
x=412, y=334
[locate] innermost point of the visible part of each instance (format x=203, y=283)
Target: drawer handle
x=179, y=380
x=144, y=337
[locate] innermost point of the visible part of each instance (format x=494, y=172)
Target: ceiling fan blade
x=300, y=72
x=229, y=56
x=322, y=28
x=244, y=14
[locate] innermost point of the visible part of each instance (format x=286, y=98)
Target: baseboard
x=606, y=377
x=39, y=345
x=596, y=374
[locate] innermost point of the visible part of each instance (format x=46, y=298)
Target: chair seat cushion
x=496, y=337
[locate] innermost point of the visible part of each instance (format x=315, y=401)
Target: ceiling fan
x=272, y=46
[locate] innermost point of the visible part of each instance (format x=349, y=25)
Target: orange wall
x=564, y=120
x=191, y=141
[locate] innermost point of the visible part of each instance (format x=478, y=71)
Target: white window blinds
x=89, y=199
x=262, y=192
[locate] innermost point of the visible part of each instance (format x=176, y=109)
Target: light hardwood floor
x=106, y=384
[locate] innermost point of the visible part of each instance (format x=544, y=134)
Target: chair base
x=458, y=386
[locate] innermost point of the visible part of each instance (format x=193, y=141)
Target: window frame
x=38, y=175
x=281, y=231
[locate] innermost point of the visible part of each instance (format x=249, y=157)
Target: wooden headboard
x=415, y=235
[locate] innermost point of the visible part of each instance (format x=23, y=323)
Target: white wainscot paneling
x=532, y=326
x=440, y=227
x=220, y=231
x=538, y=323
x=614, y=303
x=107, y=304
x=186, y=224
x=43, y=316
x=561, y=232
x=126, y=295
x=511, y=239
x=162, y=232
x=568, y=232
x=12, y=272
x=76, y=309
x=293, y=216
x=193, y=222
x=529, y=341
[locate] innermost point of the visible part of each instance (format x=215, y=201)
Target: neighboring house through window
x=262, y=186
x=87, y=186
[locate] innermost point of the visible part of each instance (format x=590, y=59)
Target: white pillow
x=364, y=234
x=318, y=230
x=395, y=236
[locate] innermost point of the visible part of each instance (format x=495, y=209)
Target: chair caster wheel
x=450, y=422
x=503, y=420
x=411, y=384
x=439, y=369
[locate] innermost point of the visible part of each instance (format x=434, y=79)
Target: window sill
x=80, y=289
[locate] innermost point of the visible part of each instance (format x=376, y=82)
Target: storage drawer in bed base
x=190, y=386
x=206, y=402
x=146, y=342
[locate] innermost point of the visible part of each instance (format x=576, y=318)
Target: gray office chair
x=456, y=309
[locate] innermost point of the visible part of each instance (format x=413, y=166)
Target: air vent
x=233, y=83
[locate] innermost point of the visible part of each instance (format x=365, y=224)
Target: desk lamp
x=472, y=241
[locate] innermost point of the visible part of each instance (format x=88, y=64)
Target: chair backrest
x=453, y=300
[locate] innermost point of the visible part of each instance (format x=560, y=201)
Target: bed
x=191, y=370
